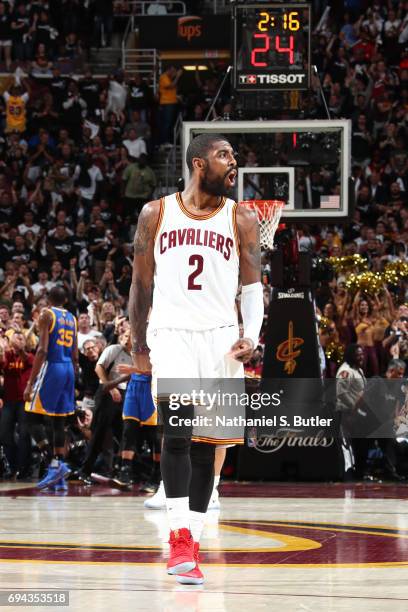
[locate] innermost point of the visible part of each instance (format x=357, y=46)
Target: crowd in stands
x=40, y=34
x=75, y=170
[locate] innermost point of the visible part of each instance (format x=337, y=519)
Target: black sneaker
x=394, y=477
x=125, y=476
x=84, y=478
x=148, y=487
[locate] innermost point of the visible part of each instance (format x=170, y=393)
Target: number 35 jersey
x=54, y=388
x=196, y=267
x=62, y=334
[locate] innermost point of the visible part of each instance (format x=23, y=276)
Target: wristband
x=252, y=310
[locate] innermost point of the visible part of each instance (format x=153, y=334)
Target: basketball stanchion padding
x=269, y=213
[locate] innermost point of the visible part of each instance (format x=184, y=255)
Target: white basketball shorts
x=197, y=355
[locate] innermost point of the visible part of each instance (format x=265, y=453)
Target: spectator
x=60, y=246
x=168, y=102
x=139, y=182
x=379, y=407
x=100, y=241
x=28, y=225
x=5, y=33
x=90, y=90
x=103, y=22
x=108, y=403
x=23, y=31
x=140, y=99
x=350, y=386
x=117, y=95
x=16, y=102
x=41, y=66
x=16, y=364
x=89, y=179
x=88, y=379
x=42, y=286
x=135, y=145
x=75, y=110
x=85, y=331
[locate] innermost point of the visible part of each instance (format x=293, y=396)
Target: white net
x=269, y=214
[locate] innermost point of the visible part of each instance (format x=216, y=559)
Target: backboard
x=306, y=163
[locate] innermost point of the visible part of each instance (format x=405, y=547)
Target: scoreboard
x=272, y=46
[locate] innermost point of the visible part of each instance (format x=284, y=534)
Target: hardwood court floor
x=271, y=547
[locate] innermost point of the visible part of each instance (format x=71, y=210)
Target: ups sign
x=189, y=27
x=185, y=33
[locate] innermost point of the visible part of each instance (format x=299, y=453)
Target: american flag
x=331, y=201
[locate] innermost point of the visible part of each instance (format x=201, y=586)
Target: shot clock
x=271, y=46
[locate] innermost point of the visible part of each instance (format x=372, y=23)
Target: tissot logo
x=189, y=27
x=271, y=79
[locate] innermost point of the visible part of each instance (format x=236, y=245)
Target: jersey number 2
x=198, y=261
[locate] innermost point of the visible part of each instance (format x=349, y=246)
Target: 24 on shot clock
x=272, y=46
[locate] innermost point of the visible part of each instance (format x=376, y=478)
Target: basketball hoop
x=269, y=213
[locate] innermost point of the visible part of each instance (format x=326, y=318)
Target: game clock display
x=272, y=46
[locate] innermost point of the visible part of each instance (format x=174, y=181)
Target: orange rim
x=264, y=208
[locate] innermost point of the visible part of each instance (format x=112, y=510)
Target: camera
x=80, y=413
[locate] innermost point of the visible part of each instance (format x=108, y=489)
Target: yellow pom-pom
x=396, y=271
x=348, y=264
x=335, y=352
x=369, y=283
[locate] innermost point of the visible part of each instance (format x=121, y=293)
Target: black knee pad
x=176, y=446
x=202, y=453
x=129, y=434
x=174, y=421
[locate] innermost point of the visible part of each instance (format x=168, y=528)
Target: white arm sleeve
x=252, y=310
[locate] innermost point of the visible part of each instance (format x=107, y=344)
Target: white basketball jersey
x=196, y=267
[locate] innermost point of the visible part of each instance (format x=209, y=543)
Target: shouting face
x=219, y=172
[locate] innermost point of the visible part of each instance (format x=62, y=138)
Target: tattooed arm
x=252, y=308
x=140, y=296
x=250, y=251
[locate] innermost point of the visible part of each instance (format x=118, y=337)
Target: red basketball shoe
x=181, y=552
x=195, y=576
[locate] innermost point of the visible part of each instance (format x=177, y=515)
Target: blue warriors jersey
x=62, y=336
x=54, y=387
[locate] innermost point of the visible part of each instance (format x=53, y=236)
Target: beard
x=216, y=186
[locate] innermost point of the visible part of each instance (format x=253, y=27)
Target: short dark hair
x=199, y=147
x=350, y=354
x=57, y=296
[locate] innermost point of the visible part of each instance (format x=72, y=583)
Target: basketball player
x=138, y=411
x=50, y=388
x=193, y=247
